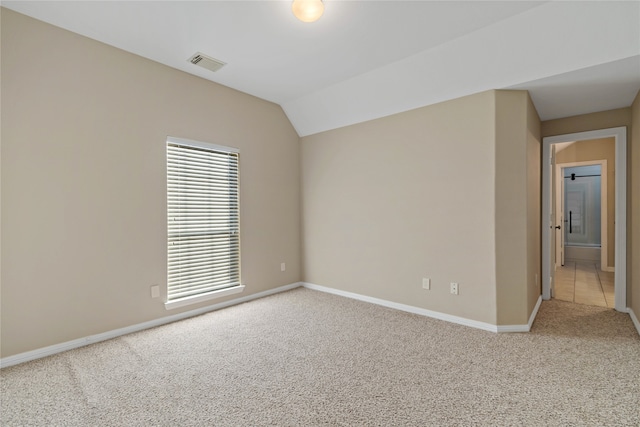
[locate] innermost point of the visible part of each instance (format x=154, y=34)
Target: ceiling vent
x=207, y=62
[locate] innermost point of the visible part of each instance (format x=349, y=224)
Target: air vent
x=206, y=62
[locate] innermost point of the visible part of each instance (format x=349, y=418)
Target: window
x=203, y=222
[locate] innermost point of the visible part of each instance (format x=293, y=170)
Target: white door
x=561, y=222
x=560, y=217
x=552, y=222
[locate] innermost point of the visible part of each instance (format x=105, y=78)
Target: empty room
x=304, y=213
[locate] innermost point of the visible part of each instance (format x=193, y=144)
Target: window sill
x=170, y=305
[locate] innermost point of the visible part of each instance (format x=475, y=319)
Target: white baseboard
x=403, y=307
x=634, y=318
x=430, y=313
x=81, y=342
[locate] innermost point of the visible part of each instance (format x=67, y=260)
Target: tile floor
x=583, y=282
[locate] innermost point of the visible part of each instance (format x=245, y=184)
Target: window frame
x=207, y=294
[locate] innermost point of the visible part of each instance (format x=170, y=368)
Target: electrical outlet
x=454, y=288
x=283, y=266
x=426, y=283
x=155, y=291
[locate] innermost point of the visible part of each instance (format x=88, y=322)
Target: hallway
x=582, y=282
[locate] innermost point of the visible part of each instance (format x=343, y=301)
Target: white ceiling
x=368, y=59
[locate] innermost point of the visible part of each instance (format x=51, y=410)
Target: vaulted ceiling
x=368, y=59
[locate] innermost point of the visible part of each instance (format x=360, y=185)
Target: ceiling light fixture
x=307, y=10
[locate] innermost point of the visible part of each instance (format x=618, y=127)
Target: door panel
x=552, y=222
x=559, y=215
x=561, y=220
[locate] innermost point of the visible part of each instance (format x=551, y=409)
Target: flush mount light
x=307, y=10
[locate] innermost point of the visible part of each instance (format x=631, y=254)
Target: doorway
x=550, y=220
x=583, y=209
x=582, y=203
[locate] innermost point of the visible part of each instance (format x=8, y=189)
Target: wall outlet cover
x=454, y=288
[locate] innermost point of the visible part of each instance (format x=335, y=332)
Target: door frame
x=547, y=217
x=604, y=205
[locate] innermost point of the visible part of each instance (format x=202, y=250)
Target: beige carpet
x=305, y=358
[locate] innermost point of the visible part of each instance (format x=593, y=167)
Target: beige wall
x=633, y=298
x=534, y=208
x=511, y=204
x=517, y=218
x=587, y=122
x=417, y=194
x=604, y=120
x=83, y=182
x=598, y=149
x=390, y=201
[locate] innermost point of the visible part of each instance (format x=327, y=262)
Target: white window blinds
x=203, y=218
